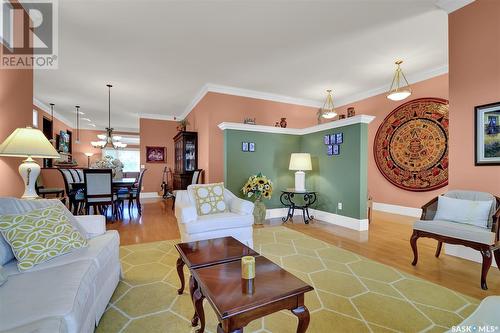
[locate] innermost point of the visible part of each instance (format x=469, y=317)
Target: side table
x=287, y=199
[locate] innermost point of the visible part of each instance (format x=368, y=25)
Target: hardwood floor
x=387, y=241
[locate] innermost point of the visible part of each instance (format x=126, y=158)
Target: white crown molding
x=46, y=109
x=450, y=6
x=364, y=119
x=157, y=116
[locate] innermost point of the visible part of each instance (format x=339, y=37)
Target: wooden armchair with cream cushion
x=465, y=218
x=211, y=211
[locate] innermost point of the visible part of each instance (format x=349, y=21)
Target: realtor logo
x=28, y=34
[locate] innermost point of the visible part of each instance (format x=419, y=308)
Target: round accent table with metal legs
x=289, y=198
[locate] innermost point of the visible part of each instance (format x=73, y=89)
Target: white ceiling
x=159, y=54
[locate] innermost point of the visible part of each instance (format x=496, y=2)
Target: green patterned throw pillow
x=40, y=235
x=209, y=198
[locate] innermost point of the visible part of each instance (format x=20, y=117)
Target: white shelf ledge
x=360, y=119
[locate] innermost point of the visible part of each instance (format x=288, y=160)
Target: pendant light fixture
x=77, y=123
x=108, y=139
x=52, y=140
x=327, y=111
x=400, y=88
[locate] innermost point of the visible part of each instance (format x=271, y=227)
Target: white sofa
x=68, y=293
x=237, y=222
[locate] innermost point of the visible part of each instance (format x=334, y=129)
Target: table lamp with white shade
x=300, y=162
x=28, y=142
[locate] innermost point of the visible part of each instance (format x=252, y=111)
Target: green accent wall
x=271, y=157
x=341, y=178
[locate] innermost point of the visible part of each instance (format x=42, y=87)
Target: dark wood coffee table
x=274, y=289
x=209, y=252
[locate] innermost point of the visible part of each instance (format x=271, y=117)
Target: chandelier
x=400, y=88
x=327, y=111
x=108, y=139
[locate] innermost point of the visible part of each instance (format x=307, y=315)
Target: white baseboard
x=344, y=221
x=396, y=209
x=148, y=195
x=464, y=253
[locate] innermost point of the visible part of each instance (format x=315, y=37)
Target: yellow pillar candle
x=248, y=267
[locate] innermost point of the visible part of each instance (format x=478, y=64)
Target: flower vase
x=259, y=212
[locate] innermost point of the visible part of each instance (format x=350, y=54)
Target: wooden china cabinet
x=186, y=158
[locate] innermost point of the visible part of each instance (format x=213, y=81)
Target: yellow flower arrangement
x=258, y=186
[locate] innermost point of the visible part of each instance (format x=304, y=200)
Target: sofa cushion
x=457, y=230
x=40, y=235
x=65, y=291
x=209, y=198
x=475, y=196
x=473, y=212
x=10, y=205
x=217, y=222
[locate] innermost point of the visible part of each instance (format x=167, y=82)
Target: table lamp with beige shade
x=300, y=162
x=28, y=142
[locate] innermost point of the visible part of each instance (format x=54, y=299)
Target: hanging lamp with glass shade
x=53, y=140
x=327, y=111
x=108, y=139
x=400, y=88
x=77, y=107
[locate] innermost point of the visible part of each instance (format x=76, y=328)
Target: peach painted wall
x=474, y=60
x=379, y=106
x=215, y=108
x=156, y=133
x=16, y=100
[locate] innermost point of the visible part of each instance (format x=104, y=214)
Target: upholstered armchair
x=464, y=230
x=236, y=222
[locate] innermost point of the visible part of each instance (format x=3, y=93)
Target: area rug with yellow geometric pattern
x=351, y=293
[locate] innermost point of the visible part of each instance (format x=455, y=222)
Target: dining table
x=117, y=183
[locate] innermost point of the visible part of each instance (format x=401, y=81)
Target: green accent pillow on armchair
x=40, y=235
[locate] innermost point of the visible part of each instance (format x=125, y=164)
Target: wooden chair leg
x=130, y=202
x=413, y=242
x=438, y=249
x=138, y=203
x=487, y=258
x=497, y=257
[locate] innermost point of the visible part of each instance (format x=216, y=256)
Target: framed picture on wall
x=251, y=147
x=156, y=154
x=339, y=138
x=329, y=151
x=244, y=146
x=487, y=134
x=332, y=139
x=326, y=139
x=336, y=150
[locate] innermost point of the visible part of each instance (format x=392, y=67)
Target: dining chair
x=98, y=191
x=196, y=179
x=133, y=194
x=45, y=192
x=74, y=193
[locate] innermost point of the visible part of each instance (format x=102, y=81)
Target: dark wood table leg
x=193, y=285
x=303, y=314
x=180, y=272
x=198, y=305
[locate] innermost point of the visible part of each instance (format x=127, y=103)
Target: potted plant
x=258, y=187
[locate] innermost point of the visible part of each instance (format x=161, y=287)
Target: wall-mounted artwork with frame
x=336, y=150
x=326, y=139
x=339, y=138
x=487, y=134
x=244, y=146
x=329, y=151
x=156, y=154
x=251, y=147
x=332, y=139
